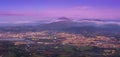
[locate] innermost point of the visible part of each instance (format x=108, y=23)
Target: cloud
x=76, y=12
x=15, y=22
x=19, y=13
x=10, y=13
x=98, y=22
x=84, y=12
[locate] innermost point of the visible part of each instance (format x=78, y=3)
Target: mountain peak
x=64, y=19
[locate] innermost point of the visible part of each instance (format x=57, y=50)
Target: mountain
x=64, y=19
x=59, y=23
x=85, y=27
x=64, y=22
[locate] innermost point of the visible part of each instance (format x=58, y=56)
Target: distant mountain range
x=43, y=21
x=86, y=27
x=64, y=22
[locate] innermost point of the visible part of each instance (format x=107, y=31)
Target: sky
x=24, y=10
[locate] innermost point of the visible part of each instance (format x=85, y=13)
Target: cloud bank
x=76, y=12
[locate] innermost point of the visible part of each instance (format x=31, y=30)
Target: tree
x=10, y=54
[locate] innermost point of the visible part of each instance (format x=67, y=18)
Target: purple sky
x=39, y=9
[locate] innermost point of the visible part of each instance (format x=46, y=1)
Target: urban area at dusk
x=59, y=28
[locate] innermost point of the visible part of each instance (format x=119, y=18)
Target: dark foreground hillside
x=8, y=49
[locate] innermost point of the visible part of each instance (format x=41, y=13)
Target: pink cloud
x=77, y=12
x=18, y=13
x=84, y=12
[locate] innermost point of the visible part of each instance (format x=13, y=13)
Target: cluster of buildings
x=63, y=38
x=99, y=41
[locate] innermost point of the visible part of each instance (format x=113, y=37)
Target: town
x=47, y=42
x=45, y=37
